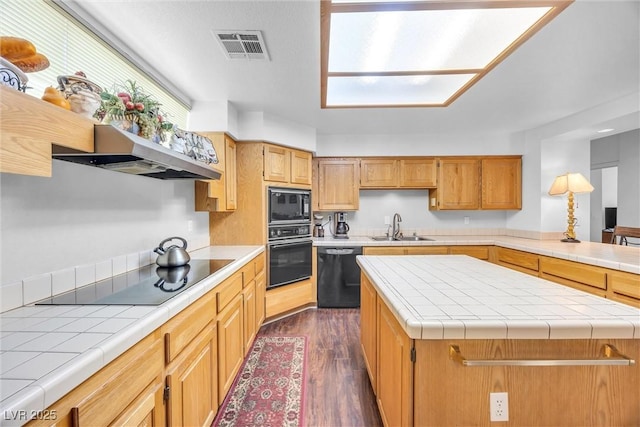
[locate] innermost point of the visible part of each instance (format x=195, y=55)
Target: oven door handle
x=290, y=243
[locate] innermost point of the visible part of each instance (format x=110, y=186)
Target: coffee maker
x=341, y=228
x=318, y=230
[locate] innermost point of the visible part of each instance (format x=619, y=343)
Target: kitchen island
x=426, y=321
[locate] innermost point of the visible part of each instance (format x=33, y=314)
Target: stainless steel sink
x=414, y=238
x=399, y=239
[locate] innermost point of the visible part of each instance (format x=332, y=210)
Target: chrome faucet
x=397, y=219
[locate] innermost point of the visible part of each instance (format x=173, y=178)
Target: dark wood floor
x=338, y=392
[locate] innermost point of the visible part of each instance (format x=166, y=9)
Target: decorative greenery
x=129, y=101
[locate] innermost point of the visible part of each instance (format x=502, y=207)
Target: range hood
x=122, y=151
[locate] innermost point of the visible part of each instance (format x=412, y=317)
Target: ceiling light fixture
x=422, y=53
x=605, y=130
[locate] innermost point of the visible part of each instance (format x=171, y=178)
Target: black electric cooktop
x=149, y=285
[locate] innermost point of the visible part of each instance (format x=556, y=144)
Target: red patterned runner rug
x=270, y=388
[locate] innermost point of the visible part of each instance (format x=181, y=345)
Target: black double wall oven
x=289, y=244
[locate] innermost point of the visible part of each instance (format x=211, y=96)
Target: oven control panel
x=289, y=231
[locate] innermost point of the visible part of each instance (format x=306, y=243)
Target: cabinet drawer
x=625, y=283
x=480, y=252
x=383, y=250
x=248, y=272
x=260, y=260
x=228, y=290
x=518, y=258
x=184, y=327
x=573, y=271
x=427, y=250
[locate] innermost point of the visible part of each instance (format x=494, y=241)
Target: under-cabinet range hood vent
x=122, y=151
x=242, y=44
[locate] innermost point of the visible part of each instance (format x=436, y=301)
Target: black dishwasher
x=338, y=277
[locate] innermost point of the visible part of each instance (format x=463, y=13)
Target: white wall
x=414, y=145
x=629, y=179
x=84, y=215
x=412, y=206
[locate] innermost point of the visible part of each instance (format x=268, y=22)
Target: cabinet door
x=146, y=410
x=418, y=173
x=458, y=184
x=231, y=177
x=230, y=345
x=261, y=292
x=378, y=173
x=502, y=183
x=277, y=164
x=368, y=328
x=249, y=312
x=394, y=392
x=193, y=382
x=300, y=167
x=338, y=184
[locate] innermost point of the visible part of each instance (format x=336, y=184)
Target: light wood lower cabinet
x=368, y=329
x=249, y=314
x=580, y=276
x=230, y=345
x=394, y=383
x=480, y=252
x=193, y=382
x=517, y=260
x=130, y=387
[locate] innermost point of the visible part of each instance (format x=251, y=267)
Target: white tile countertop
x=616, y=257
x=460, y=297
x=46, y=351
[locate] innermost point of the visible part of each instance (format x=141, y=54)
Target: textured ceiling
x=587, y=56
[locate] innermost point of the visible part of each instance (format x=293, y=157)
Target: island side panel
x=447, y=393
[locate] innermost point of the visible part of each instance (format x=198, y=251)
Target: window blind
x=70, y=47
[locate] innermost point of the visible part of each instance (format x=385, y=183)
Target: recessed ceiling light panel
x=427, y=38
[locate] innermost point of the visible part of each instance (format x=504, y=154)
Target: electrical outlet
x=387, y=220
x=499, y=406
x=466, y=220
x=190, y=225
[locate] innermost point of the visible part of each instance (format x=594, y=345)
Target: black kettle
x=173, y=256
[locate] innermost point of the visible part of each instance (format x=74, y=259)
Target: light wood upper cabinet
x=219, y=195
x=300, y=167
x=418, y=173
x=277, y=163
x=287, y=165
x=231, y=174
x=378, y=173
x=399, y=172
x=338, y=184
x=458, y=184
x=502, y=183
x=470, y=183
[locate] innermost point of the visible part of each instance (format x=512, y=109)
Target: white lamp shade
x=573, y=182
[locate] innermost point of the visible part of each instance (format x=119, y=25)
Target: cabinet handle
x=609, y=356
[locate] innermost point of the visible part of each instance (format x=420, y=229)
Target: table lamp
x=571, y=183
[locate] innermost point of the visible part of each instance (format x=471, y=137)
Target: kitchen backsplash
x=36, y=288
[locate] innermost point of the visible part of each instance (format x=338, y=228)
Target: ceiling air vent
x=242, y=44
